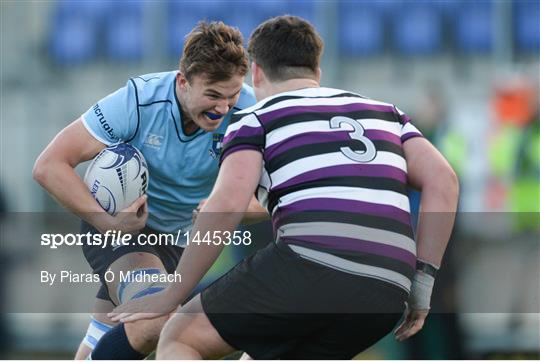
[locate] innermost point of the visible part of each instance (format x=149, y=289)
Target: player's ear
x=318, y=75
x=181, y=80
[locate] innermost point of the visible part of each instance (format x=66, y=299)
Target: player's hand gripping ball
x=117, y=176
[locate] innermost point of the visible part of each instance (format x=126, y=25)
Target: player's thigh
x=344, y=337
x=190, y=326
x=131, y=262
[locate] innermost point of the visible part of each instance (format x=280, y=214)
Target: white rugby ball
x=117, y=176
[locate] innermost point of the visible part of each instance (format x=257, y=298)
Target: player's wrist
x=102, y=221
x=427, y=267
x=421, y=290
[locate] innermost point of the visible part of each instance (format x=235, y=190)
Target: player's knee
x=95, y=331
x=172, y=347
x=139, y=283
x=191, y=333
x=170, y=333
x=143, y=335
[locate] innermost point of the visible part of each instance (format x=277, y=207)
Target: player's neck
x=291, y=85
x=188, y=125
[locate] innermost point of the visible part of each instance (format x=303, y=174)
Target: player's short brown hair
x=286, y=47
x=215, y=50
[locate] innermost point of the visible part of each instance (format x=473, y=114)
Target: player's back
x=335, y=179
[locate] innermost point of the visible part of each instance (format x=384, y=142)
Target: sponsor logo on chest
x=217, y=145
x=153, y=141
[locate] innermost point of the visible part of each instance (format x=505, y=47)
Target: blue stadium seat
x=447, y=7
x=302, y=8
x=248, y=17
x=184, y=15
x=125, y=31
x=527, y=25
x=386, y=7
x=417, y=28
x=361, y=30
x=269, y=9
x=473, y=27
x=74, y=30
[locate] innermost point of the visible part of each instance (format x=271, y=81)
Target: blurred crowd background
x=468, y=73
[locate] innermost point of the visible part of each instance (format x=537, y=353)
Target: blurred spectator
x=514, y=151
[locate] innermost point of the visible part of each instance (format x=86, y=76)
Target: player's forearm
x=438, y=208
x=65, y=185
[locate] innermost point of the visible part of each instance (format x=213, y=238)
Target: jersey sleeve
x=245, y=132
x=408, y=130
x=114, y=118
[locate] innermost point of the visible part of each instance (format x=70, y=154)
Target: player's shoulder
x=316, y=94
x=343, y=96
x=153, y=87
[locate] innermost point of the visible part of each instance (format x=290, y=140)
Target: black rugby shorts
x=275, y=304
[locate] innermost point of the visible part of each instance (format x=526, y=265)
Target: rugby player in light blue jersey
x=177, y=120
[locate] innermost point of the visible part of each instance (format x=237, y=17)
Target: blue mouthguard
x=213, y=116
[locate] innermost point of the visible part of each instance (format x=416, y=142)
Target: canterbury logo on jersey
x=153, y=141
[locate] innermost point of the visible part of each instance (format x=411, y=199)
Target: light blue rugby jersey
x=145, y=113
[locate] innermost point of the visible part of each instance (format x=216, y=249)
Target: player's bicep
x=424, y=162
x=73, y=145
x=239, y=176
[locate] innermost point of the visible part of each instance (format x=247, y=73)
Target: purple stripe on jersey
x=347, y=170
x=349, y=244
x=244, y=131
x=378, y=135
x=353, y=107
x=322, y=137
x=328, y=204
x=409, y=135
x=237, y=148
x=307, y=138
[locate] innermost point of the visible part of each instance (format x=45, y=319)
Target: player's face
x=207, y=103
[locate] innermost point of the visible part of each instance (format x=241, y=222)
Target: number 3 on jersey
x=358, y=134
